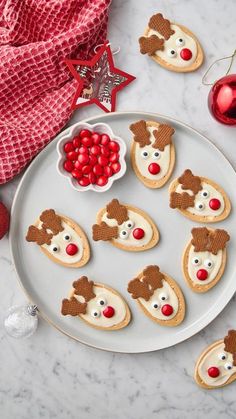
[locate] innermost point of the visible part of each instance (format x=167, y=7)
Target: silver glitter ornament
x=21, y=321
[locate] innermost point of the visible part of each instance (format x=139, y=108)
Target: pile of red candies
x=92, y=158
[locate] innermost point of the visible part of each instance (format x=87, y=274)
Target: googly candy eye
x=180, y=42
x=101, y=301
x=156, y=155
x=144, y=154
x=196, y=261
x=155, y=305
x=123, y=234
x=55, y=248
x=208, y=263
x=205, y=193
x=171, y=53
x=129, y=224
x=199, y=206
x=228, y=366
x=222, y=356
x=95, y=313
x=163, y=296
x=67, y=237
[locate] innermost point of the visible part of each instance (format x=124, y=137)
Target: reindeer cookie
x=199, y=198
x=97, y=304
x=171, y=45
x=125, y=227
x=216, y=366
x=61, y=239
x=159, y=296
x=152, y=152
x=204, y=258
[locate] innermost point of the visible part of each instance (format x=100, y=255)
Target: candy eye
x=163, y=296
x=144, y=154
x=67, y=237
x=196, y=261
x=123, y=234
x=222, y=356
x=156, y=155
x=55, y=248
x=129, y=224
x=205, y=193
x=171, y=53
x=95, y=313
x=155, y=305
x=101, y=302
x=208, y=263
x=199, y=206
x=180, y=42
x=228, y=366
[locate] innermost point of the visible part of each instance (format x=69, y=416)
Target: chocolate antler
x=206, y=240
x=230, y=344
x=163, y=136
x=189, y=181
x=141, y=133
x=181, y=200
x=161, y=25
x=145, y=286
x=38, y=235
x=73, y=307
x=117, y=211
x=149, y=45
x=84, y=287
x=139, y=289
x=104, y=232
x=153, y=277
x=51, y=221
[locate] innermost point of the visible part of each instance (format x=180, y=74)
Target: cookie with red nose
x=216, y=366
x=60, y=238
x=98, y=305
x=199, y=198
x=158, y=296
x=171, y=45
x=204, y=258
x=126, y=227
x=152, y=152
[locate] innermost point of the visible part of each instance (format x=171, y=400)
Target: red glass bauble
x=222, y=100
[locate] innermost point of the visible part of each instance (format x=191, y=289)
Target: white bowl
x=100, y=128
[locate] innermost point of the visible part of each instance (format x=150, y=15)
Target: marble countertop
x=50, y=375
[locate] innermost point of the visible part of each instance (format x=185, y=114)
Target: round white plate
x=47, y=283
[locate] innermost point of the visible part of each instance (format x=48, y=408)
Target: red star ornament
x=98, y=80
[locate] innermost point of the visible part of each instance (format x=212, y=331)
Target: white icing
x=143, y=162
x=110, y=299
x=203, y=257
x=207, y=211
x=212, y=359
x=138, y=222
x=59, y=240
x=172, y=44
x=172, y=299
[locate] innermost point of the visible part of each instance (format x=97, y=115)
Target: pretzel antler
x=139, y=289
x=189, y=181
x=84, y=287
x=145, y=286
x=200, y=239
x=230, y=344
x=73, y=307
x=38, y=235
x=141, y=133
x=161, y=25
x=149, y=45
x=153, y=277
x=218, y=240
x=206, y=240
x=51, y=221
x=104, y=232
x=163, y=136
x=117, y=211
x=181, y=200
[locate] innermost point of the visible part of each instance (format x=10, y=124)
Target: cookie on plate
x=152, y=152
x=204, y=258
x=126, y=227
x=60, y=238
x=199, y=198
x=216, y=366
x=97, y=304
x=159, y=296
x=171, y=45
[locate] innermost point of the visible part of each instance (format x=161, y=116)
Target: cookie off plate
x=47, y=283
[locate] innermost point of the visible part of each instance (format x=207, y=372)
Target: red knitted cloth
x=36, y=87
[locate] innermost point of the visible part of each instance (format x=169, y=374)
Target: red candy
x=167, y=310
x=103, y=161
x=108, y=312
x=78, y=165
x=214, y=204
x=68, y=166
x=71, y=249
x=138, y=233
x=202, y=274
x=186, y=54
x=96, y=138
x=108, y=171
x=114, y=146
x=116, y=167
x=84, y=181
x=93, y=159
x=68, y=147
x=105, y=139
x=83, y=159
x=101, y=181
x=154, y=168
x=92, y=177
x=76, y=142
x=84, y=133
x=114, y=157
x=77, y=174
x=213, y=372
x=97, y=170
x=105, y=151
x=86, y=169
x=83, y=150
x=87, y=141
x=95, y=150
x=72, y=155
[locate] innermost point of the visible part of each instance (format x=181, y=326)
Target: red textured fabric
x=36, y=87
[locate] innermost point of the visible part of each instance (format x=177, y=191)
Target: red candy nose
x=167, y=310
x=213, y=372
x=186, y=54
x=108, y=312
x=71, y=249
x=154, y=168
x=202, y=274
x=214, y=204
x=138, y=233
